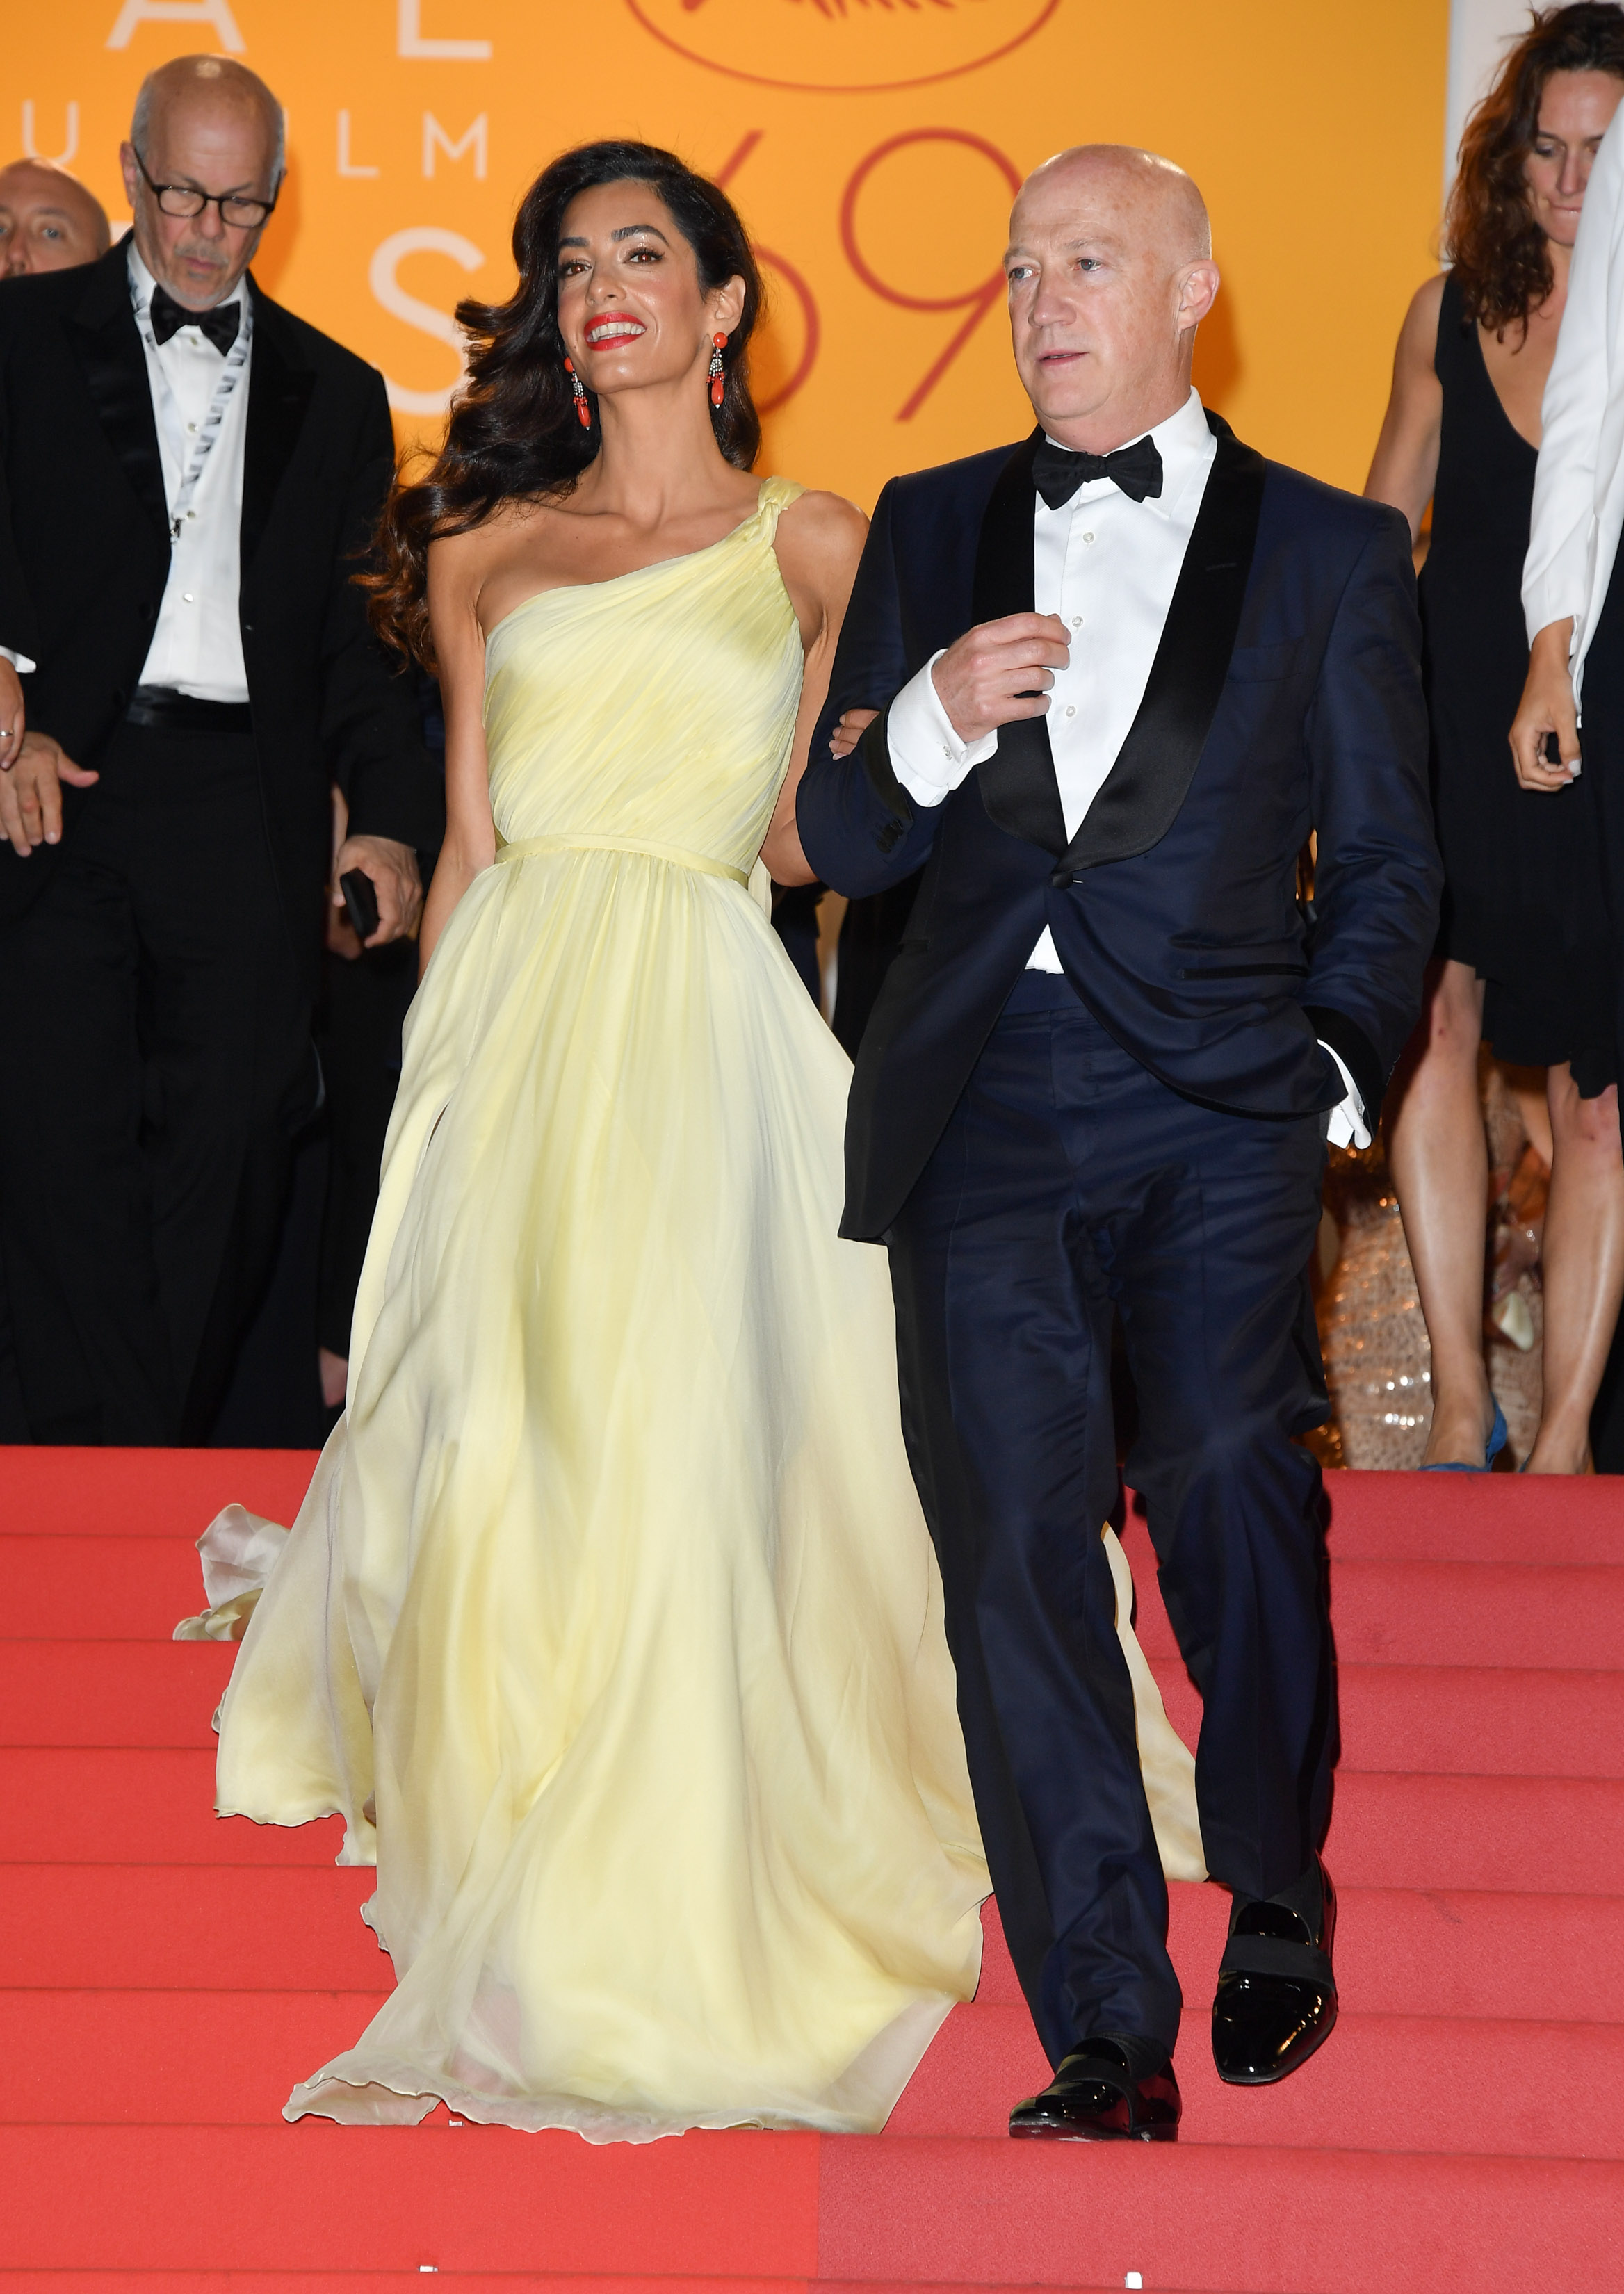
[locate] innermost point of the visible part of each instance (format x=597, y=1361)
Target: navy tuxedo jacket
x=1285, y=697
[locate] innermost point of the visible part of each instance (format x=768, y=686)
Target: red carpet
x=168, y=1977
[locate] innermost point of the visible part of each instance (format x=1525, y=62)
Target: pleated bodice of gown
x=610, y=1623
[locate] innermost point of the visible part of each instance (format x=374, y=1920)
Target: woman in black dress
x=1521, y=961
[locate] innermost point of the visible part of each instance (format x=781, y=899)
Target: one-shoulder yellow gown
x=610, y=1623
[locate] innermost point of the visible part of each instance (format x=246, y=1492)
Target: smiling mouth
x=613, y=330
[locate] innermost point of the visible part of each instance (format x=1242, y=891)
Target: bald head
x=1110, y=269
x=1148, y=192
x=48, y=220
x=203, y=124
x=216, y=86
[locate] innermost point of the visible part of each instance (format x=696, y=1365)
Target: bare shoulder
x=1419, y=332
x=819, y=540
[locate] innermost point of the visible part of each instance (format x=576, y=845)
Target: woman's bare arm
x=459, y=644
x=819, y=540
x=1406, y=463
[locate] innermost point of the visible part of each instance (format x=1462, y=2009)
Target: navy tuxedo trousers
x=1071, y=1185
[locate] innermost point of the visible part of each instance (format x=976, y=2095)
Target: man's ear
x=1197, y=291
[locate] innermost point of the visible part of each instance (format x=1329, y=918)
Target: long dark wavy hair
x=513, y=432
x=1491, y=234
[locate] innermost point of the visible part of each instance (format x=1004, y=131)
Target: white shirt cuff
x=927, y=756
x=19, y=661
x=1347, y=1125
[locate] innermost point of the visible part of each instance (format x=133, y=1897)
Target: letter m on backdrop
x=217, y=12
x=435, y=135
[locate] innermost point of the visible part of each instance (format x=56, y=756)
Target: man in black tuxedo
x=1122, y=671
x=188, y=471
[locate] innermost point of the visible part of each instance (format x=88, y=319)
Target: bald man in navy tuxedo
x=1108, y=682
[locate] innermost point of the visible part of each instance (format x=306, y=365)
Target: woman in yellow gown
x=610, y=1623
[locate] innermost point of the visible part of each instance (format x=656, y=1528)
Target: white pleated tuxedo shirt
x=197, y=642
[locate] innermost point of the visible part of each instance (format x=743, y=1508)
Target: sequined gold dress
x=610, y=1623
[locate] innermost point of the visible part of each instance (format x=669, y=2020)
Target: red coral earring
x=718, y=385
x=583, y=412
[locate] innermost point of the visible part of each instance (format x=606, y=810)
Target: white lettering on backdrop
x=217, y=12
x=347, y=165
x=422, y=239
x=31, y=150
x=410, y=40
x=434, y=136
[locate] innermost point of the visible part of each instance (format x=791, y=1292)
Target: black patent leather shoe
x=1276, y=1992
x=1094, y=2097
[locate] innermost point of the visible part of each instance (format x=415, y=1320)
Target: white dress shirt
x=1108, y=566
x=1578, y=482
x=200, y=404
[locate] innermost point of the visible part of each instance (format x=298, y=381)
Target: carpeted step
x=1518, y=1832
x=285, y=1928
x=1373, y=1517
x=1199, y=2216
x=129, y=1807
x=322, y=2198
x=97, y=1588
x=145, y=1693
x=771, y=2206
x=221, y=2058
x=1512, y=2085
x=222, y=1929
x=1570, y=1618
x=1445, y=1719
x=1454, y=1613
x=1475, y=1517
x=413, y=2282
x=1510, y=1517
x=72, y=1492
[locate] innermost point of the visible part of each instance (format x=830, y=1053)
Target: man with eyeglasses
x=185, y=670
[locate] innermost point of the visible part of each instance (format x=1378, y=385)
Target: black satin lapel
x=1017, y=782
x=278, y=395
x=105, y=342
x=1141, y=795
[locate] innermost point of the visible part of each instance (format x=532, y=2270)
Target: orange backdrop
x=871, y=145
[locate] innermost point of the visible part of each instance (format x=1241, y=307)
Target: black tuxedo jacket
x=1285, y=697
x=85, y=555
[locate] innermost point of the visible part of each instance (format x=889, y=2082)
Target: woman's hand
x=853, y=724
x=1546, y=707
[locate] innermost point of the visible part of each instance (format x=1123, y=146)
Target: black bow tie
x=1058, y=473
x=220, y=324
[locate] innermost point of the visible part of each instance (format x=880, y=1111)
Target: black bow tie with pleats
x=1058, y=472
x=220, y=324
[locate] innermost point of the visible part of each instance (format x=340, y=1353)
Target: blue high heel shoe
x=1497, y=1443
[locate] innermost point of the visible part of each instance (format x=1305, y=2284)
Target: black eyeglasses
x=185, y=199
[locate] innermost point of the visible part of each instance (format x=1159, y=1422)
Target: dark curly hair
x=513, y=433
x=1491, y=233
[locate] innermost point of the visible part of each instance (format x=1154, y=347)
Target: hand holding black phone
x=360, y=903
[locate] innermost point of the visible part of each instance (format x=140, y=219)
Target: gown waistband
x=526, y=847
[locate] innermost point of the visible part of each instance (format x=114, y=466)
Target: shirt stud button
x=187, y=599
x=1087, y=537
x=1070, y=713
x=1076, y=619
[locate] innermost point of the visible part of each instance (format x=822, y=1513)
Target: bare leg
x=1583, y=1268
x=1439, y=1160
